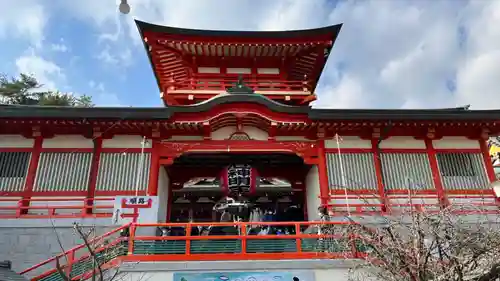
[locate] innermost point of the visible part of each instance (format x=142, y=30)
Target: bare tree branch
x=427, y=246
x=98, y=252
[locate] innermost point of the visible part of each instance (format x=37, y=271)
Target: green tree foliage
x=25, y=90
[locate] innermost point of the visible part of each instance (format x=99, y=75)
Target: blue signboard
x=292, y=275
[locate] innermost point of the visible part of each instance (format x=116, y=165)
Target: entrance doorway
x=197, y=185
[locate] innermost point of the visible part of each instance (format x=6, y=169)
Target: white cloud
x=118, y=58
x=23, y=19
x=478, y=76
x=101, y=96
x=46, y=72
x=398, y=54
x=53, y=77
x=60, y=46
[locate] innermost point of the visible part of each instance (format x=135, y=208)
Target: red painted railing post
x=85, y=206
x=70, y=260
x=298, y=239
x=243, y=235
x=188, y=239
x=20, y=207
x=192, y=83
x=131, y=238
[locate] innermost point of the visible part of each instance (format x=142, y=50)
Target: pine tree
x=25, y=90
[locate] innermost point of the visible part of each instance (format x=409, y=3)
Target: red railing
x=71, y=207
x=57, y=207
x=365, y=202
x=223, y=84
x=297, y=240
x=477, y=204
x=76, y=254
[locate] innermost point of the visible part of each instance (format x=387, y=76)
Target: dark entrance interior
x=195, y=184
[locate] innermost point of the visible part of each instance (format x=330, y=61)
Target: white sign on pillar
x=140, y=209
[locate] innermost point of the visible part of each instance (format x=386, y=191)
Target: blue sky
x=392, y=54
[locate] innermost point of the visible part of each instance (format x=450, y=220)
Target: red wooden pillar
x=31, y=176
x=487, y=160
x=378, y=174
x=436, y=175
x=94, y=171
x=154, y=170
x=323, y=173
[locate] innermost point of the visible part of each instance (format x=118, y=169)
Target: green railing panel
x=215, y=246
x=81, y=267
x=163, y=247
x=362, y=246
x=53, y=277
x=271, y=245
x=309, y=245
x=325, y=245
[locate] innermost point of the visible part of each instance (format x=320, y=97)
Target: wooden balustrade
x=290, y=240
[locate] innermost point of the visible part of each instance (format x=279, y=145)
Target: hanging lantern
x=239, y=179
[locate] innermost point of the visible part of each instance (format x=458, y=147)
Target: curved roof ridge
x=240, y=98
x=227, y=95
x=142, y=26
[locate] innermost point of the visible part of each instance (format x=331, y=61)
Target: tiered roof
x=178, y=54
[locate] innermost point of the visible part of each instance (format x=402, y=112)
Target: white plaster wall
x=402, y=143
x=68, y=141
x=125, y=141
x=337, y=274
x=455, y=143
x=402, y=202
x=256, y=133
x=223, y=133
x=351, y=202
x=43, y=202
x=349, y=142
x=15, y=141
x=468, y=201
x=28, y=242
x=312, y=194
x=253, y=132
x=103, y=204
x=9, y=202
x=163, y=183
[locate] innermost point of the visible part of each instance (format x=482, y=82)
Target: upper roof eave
x=60, y=112
x=331, y=31
x=439, y=114
x=163, y=113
